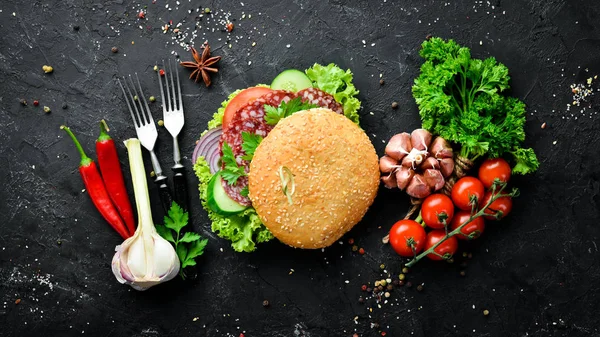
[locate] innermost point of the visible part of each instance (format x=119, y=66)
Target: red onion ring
x=208, y=147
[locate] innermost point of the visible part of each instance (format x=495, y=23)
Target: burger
x=288, y=161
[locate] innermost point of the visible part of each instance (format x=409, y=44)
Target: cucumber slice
x=218, y=200
x=291, y=80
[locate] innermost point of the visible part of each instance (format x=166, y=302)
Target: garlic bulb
x=145, y=259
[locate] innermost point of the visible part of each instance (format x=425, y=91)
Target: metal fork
x=173, y=118
x=146, y=132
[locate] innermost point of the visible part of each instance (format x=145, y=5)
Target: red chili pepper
x=110, y=167
x=96, y=189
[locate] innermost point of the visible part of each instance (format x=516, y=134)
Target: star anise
x=202, y=64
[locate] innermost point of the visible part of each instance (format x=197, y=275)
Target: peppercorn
x=75, y=28
x=23, y=102
x=381, y=82
x=155, y=68
x=47, y=109
x=114, y=49
x=361, y=251
x=58, y=242
x=354, y=248
x=135, y=97
x=408, y=284
x=363, y=287
x=395, y=282
x=420, y=287
x=141, y=15
x=47, y=69
x=405, y=270
x=376, y=290
x=543, y=125
x=383, y=283
x=380, y=288
x=401, y=277
x=355, y=335
x=265, y=303
x=382, y=266
x=486, y=312
x=162, y=72
x=463, y=273
x=390, y=287
x=229, y=27
x=152, y=99
x=377, y=283
x=387, y=294
x=450, y=260
x=428, y=37
x=351, y=241
x=161, y=122
x=152, y=174
x=206, y=10
x=361, y=300
x=36, y=103
x=401, y=283
x=369, y=289
x=17, y=301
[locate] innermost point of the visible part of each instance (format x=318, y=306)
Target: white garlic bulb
x=145, y=259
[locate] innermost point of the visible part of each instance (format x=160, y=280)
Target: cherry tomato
x=503, y=204
x=476, y=226
x=436, y=206
x=446, y=248
x=244, y=97
x=495, y=168
x=402, y=232
x=464, y=189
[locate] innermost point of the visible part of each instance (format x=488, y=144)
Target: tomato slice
x=244, y=97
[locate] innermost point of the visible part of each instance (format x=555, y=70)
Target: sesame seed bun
x=336, y=177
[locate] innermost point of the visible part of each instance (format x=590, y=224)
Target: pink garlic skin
x=420, y=139
x=387, y=164
x=399, y=146
x=430, y=163
x=440, y=148
x=389, y=180
x=434, y=179
x=418, y=188
x=447, y=167
x=403, y=177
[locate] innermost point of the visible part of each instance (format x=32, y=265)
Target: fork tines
x=142, y=111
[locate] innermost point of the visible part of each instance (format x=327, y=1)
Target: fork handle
x=180, y=186
x=164, y=193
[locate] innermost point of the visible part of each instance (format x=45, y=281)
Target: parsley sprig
x=273, y=115
x=232, y=171
x=250, y=143
x=460, y=98
x=188, y=246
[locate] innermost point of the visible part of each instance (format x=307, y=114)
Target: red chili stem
x=110, y=167
x=96, y=189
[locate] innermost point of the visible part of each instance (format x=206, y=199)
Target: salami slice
x=249, y=118
x=320, y=98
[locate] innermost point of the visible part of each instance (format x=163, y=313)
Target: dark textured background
x=536, y=272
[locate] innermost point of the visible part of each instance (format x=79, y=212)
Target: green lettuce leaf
x=244, y=230
x=337, y=82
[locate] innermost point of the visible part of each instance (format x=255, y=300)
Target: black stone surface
x=536, y=272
